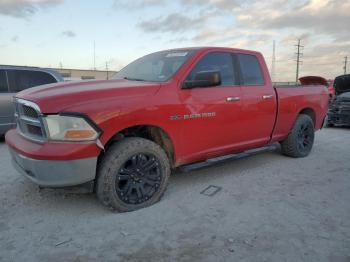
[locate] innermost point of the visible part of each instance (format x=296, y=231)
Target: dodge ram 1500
x=162, y=111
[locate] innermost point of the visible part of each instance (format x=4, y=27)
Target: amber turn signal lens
x=79, y=134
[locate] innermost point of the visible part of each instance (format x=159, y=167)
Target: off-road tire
x=112, y=162
x=290, y=145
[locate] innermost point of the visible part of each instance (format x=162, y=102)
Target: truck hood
x=57, y=97
x=313, y=80
x=342, y=84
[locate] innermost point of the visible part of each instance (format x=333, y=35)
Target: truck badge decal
x=193, y=116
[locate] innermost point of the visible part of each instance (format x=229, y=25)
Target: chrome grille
x=29, y=112
x=28, y=119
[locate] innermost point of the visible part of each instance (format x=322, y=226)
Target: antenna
x=94, y=56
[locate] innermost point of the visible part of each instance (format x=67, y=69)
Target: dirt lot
x=269, y=208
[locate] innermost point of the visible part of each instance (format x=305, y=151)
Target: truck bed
x=291, y=98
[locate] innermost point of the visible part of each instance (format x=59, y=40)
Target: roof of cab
x=208, y=48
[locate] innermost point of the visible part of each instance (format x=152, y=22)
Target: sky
x=54, y=33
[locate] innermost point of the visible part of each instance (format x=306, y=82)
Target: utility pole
x=107, y=70
x=273, y=61
x=345, y=63
x=299, y=55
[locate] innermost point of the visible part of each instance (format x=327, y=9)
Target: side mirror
x=203, y=79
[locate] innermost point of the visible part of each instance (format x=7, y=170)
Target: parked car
x=14, y=79
x=162, y=111
x=339, y=110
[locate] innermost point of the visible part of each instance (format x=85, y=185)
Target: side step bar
x=226, y=158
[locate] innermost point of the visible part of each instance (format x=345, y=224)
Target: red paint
x=317, y=80
x=313, y=80
x=118, y=104
x=51, y=150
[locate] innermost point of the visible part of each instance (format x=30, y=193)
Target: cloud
x=125, y=4
x=14, y=38
x=68, y=33
x=175, y=22
x=222, y=5
x=320, y=16
x=24, y=8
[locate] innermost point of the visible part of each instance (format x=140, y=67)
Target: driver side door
x=211, y=123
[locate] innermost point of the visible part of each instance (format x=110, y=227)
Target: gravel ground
x=269, y=208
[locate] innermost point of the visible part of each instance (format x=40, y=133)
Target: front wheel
x=133, y=174
x=300, y=140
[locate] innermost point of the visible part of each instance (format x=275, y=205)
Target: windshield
x=156, y=67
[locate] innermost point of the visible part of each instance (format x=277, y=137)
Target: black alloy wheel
x=132, y=174
x=305, y=137
x=138, y=179
x=300, y=139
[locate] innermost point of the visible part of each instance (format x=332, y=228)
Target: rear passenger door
x=259, y=103
x=6, y=106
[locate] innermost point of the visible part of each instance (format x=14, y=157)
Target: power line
x=299, y=55
x=345, y=63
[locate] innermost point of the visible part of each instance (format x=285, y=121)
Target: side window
x=3, y=82
x=216, y=61
x=23, y=79
x=251, y=70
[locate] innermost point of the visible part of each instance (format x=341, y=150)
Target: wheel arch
x=151, y=132
x=310, y=112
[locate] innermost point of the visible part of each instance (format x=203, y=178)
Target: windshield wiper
x=133, y=79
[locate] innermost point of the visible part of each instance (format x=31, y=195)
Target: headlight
x=69, y=128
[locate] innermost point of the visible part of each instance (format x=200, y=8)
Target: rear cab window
x=217, y=61
x=23, y=79
x=251, y=73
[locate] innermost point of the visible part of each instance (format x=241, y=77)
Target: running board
x=226, y=158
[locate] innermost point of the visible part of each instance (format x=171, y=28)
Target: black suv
x=339, y=109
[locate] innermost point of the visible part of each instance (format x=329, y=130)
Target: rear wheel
x=300, y=140
x=133, y=174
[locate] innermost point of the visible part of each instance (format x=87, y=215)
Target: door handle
x=233, y=99
x=267, y=97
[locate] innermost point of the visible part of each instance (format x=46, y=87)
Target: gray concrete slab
x=269, y=208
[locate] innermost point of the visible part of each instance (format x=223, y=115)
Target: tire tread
x=111, y=160
x=288, y=146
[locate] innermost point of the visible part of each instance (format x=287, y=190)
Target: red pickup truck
x=162, y=111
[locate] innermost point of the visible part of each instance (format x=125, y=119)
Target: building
x=82, y=74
